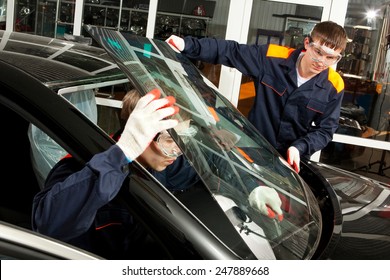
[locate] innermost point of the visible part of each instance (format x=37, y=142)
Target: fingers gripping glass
x=317, y=54
x=168, y=146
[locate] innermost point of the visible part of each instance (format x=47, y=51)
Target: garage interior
x=365, y=67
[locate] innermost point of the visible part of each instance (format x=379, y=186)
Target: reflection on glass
x=25, y=12
x=166, y=25
x=3, y=13
x=124, y=15
x=189, y=18
x=184, y=18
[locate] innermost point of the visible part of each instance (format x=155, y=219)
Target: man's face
x=319, y=57
x=164, y=151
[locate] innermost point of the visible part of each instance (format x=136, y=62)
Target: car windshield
x=228, y=153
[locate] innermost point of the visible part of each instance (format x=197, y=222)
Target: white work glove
x=146, y=120
x=267, y=201
x=176, y=43
x=293, y=158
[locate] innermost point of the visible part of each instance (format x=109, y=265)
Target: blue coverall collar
x=289, y=64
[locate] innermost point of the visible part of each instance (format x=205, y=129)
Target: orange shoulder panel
x=336, y=80
x=279, y=51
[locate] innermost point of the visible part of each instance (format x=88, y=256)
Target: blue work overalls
x=286, y=115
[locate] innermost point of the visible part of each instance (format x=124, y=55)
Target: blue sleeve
x=67, y=206
x=245, y=58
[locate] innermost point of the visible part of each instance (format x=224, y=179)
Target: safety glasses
x=168, y=146
x=318, y=54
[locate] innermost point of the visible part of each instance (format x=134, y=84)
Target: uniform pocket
x=316, y=106
x=310, y=112
x=274, y=84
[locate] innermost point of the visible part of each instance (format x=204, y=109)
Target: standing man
x=298, y=97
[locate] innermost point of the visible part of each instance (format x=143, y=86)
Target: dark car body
x=330, y=214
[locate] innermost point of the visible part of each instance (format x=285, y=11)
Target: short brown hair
x=129, y=102
x=330, y=34
x=131, y=99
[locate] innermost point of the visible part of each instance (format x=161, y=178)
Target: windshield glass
x=228, y=153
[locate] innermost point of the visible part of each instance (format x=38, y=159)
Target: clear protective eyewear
x=169, y=147
x=318, y=54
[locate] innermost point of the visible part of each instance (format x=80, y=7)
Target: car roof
x=55, y=62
